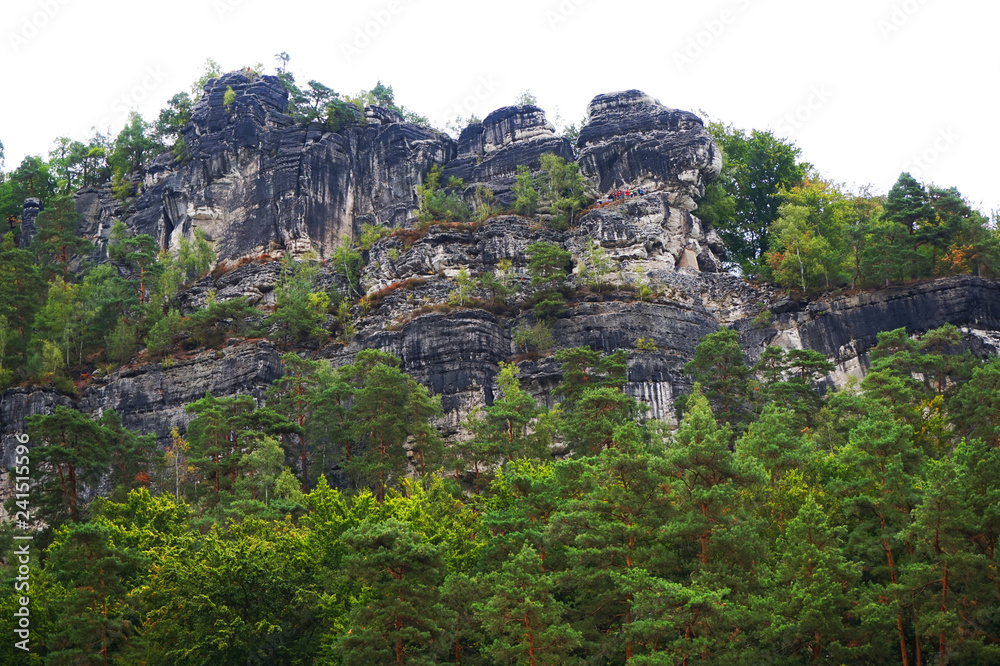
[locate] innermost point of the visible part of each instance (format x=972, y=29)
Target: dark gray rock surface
x=490, y=152
x=261, y=185
x=256, y=182
x=630, y=139
x=32, y=207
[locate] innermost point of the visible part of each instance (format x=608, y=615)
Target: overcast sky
x=866, y=88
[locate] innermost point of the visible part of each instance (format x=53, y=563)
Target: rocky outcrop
x=649, y=231
x=631, y=140
x=254, y=181
x=32, y=207
x=490, y=152
x=259, y=185
x=844, y=329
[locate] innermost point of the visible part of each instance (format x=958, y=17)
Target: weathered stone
x=32, y=207
x=256, y=182
x=631, y=140
x=490, y=152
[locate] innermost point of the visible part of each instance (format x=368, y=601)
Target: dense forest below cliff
x=773, y=518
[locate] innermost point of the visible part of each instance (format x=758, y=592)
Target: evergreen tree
x=719, y=366
x=711, y=533
x=94, y=617
x=975, y=408
x=291, y=395
x=56, y=241
x=137, y=252
x=400, y=618
x=526, y=196
x=71, y=451
x=812, y=594
x=908, y=205
x=521, y=614
x=132, y=456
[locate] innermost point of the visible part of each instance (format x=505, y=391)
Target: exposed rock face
x=651, y=230
x=32, y=207
x=632, y=140
x=256, y=182
x=846, y=328
x=151, y=398
x=490, y=152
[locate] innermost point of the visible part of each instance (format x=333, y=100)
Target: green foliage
x=744, y=202
x=438, y=204
x=57, y=241
x=719, y=366
x=211, y=71
x=498, y=283
x=97, y=576
x=547, y=264
x=173, y=119
x=504, y=430
x=854, y=526
x=526, y=99
x=466, y=284
x=195, y=258
x=483, y=202
x=32, y=178
x=526, y=196
x=534, y=338
x=134, y=146
x=645, y=344
x=402, y=618
x=124, y=338
x=596, y=266
x=70, y=450
x=564, y=188
x=347, y=262
x=299, y=311
x=228, y=98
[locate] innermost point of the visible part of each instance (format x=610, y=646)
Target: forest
x=777, y=520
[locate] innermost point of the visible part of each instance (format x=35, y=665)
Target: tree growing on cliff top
x=743, y=203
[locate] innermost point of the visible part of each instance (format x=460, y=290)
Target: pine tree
x=710, y=531
x=522, y=615
x=98, y=575
x=719, y=366
x=71, y=451
x=292, y=395
x=400, y=619
x=57, y=241
x=132, y=456
x=811, y=589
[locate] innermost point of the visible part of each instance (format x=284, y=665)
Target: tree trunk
x=944, y=608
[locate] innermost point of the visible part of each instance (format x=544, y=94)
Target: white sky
x=888, y=80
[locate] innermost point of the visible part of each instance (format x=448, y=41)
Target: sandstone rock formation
x=32, y=207
x=490, y=152
x=256, y=182
x=631, y=140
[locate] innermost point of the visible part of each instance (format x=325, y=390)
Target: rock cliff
x=256, y=182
